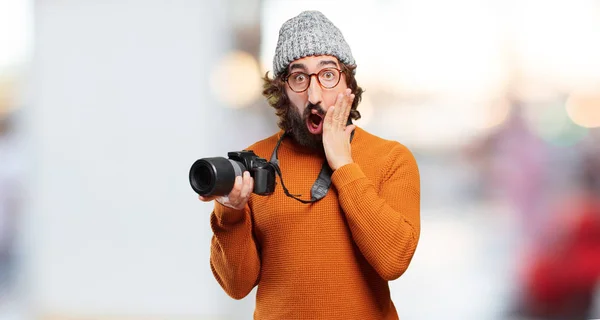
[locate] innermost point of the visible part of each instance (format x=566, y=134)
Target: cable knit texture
x=331, y=259
x=309, y=34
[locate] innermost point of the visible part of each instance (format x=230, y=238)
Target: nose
x=314, y=90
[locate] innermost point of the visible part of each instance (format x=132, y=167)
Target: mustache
x=317, y=107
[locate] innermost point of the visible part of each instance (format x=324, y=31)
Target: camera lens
x=203, y=177
x=214, y=176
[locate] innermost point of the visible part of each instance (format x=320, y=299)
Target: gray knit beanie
x=309, y=34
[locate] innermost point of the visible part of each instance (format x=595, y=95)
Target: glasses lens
x=329, y=78
x=298, y=81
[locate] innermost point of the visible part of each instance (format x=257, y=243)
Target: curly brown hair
x=274, y=91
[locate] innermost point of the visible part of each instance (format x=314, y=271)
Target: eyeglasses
x=299, y=81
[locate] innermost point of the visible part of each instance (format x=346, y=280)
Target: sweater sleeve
x=234, y=258
x=385, y=225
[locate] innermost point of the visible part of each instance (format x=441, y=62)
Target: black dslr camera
x=216, y=176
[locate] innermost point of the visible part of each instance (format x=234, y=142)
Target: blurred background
x=104, y=106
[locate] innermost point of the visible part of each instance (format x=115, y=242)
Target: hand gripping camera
x=216, y=176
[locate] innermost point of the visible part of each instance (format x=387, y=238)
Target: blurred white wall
x=118, y=110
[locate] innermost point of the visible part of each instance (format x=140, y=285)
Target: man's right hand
x=238, y=196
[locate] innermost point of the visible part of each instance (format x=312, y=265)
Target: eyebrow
x=321, y=64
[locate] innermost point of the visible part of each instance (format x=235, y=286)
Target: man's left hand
x=336, y=135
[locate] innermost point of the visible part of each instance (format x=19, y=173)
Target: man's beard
x=297, y=127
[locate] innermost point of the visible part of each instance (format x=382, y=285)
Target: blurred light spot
x=264, y=68
x=366, y=112
x=551, y=122
x=7, y=96
x=584, y=109
x=494, y=113
x=236, y=80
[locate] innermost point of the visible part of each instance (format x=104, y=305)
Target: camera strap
x=321, y=185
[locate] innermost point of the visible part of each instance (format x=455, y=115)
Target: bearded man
x=332, y=255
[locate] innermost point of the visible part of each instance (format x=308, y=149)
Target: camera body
x=216, y=176
x=260, y=170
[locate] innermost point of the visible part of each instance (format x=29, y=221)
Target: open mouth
x=314, y=122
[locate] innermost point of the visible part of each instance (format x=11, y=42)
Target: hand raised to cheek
x=336, y=134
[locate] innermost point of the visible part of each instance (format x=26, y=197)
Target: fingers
x=349, y=101
x=338, y=112
x=239, y=194
x=328, y=121
x=247, y=186
x=208, y=198
x=341, y=110
x=234, y=194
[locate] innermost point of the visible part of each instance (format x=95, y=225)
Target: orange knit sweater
x=331, y=259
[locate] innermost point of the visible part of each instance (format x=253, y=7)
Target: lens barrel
x=214, y=176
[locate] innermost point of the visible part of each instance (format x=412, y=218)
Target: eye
x=328, y=75
x=299, y=77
